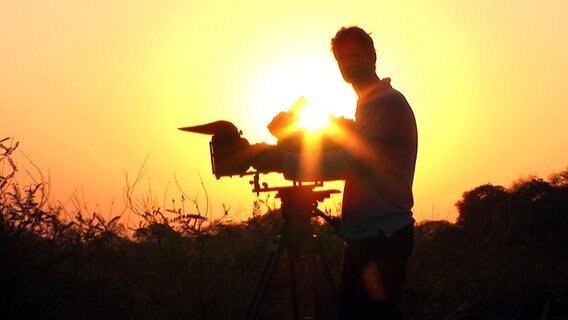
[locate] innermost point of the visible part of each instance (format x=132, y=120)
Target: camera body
x=231, y=154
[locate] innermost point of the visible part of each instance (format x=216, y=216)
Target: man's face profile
x=356, y=63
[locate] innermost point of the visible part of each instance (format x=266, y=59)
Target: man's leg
x=383, y=273
x=383, y=281
x=349, y=292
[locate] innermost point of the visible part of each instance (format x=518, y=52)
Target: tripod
x=297, y=239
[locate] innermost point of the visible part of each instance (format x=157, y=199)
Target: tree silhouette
x=559, y=179
x=532, y=209
x=540, y=208
x=483, y=209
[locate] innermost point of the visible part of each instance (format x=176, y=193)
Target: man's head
x=355, y=53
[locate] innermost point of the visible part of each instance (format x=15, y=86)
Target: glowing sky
x=93, y=88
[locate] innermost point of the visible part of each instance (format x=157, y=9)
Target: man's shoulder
x=382, y=93
x=385, y=100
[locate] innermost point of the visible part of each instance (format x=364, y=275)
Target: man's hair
x=352, y=33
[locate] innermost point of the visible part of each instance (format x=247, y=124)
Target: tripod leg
x=293, y=285
x=315, y=284
x=329, y=277
x=267, y=273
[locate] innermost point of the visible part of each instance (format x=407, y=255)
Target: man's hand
x=347, y=125
x=280, y=126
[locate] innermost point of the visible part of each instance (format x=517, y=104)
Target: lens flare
x=312, y=119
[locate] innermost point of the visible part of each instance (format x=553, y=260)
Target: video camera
x=232, y=155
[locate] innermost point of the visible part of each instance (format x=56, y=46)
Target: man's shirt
x=377, y=164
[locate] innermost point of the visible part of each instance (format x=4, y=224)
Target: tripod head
x=299, y=206
x=298, y=194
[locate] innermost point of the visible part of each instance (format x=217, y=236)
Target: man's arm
x=380, y=130
x=334, y=164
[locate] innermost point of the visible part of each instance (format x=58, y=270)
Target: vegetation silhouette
x=504, y=258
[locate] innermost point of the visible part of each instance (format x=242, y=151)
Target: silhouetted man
x=377, y=164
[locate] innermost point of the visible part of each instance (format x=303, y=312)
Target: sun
x=287, y=79
x=312, y=119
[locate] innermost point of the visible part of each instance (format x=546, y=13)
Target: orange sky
x=92, y=89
